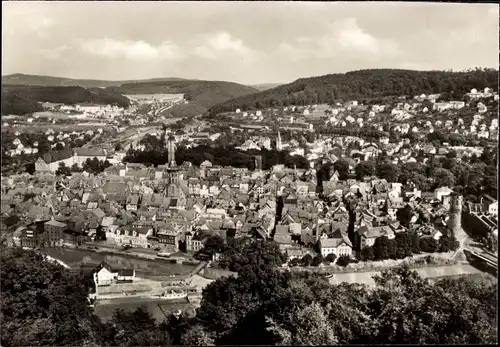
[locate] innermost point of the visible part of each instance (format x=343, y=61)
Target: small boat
x=173, y=294
x=329, y=276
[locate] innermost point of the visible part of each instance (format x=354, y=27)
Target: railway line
x=487, y=257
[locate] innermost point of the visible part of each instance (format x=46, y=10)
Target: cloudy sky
x=242, y=42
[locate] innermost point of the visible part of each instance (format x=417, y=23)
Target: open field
x=50, y=114
x=158, y=97
x=36, y=128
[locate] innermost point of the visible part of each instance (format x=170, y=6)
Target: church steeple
x=171, y=151
x=279, y=145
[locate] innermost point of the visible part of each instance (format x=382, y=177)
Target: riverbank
x=415, y=262
x=427, y=272
x=160, y=308
x=146, y=268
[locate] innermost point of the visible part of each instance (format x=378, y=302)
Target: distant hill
x=364, y=85
x=18, y=105
x=23, y=99
x=201, y=94
x=205, y=93
x=38, y=80
x=266, y=86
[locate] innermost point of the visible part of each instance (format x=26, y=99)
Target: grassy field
x=160, y=97
x=36, y=128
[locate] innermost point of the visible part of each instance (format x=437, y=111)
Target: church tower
x=455, y=215
x=279, y=145
x=171, y=151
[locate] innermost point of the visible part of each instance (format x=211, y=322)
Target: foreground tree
x=136, y=328
x=43, y=304
x=252, y=254
x=196, y=336
x=304, y=326
x=411, y=309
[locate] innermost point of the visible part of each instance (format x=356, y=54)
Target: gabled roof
x=115, y=188
x=107, y=221
x=89, y=152
x=54, y=156
x=55, y=223
x=132, y=199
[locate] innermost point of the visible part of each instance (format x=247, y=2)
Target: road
x=133, y=136
x=88, y=144
x=159, y=111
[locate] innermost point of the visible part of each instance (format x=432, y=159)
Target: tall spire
x=171, y=151
x=279, y=145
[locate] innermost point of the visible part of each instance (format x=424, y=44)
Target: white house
x=106, y=275
x=336, y=245
x=439, y=193
x=490, y=204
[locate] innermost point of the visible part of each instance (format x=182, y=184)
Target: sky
x=244, y=42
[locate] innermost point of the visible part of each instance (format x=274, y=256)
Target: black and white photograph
x=210, y=173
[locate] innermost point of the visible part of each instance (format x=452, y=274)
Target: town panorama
x=200, y=177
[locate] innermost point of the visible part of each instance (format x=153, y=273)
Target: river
x=426, y=272
x=143, y=267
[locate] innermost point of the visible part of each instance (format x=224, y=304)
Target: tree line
x=48, y=305
x=93, y=166
x=217, y=156
x=23, y=99
x=363, y=84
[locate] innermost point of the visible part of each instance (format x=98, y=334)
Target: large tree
x=270, y=306
x=304, y=326
x=43, y=304
x=387, y=171
x=342, y=167
x=253, y=253
x=136, y=328
x=364, y=168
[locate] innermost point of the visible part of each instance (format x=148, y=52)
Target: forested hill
x=23, y=99
x=265, y=86
x=20, y=93
x=204, y=93
x=50, y=81
x=364, y=84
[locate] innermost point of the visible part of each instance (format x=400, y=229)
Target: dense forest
x=364, y=85
x=21, y=99
x=18, y=105
x=44, y=304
